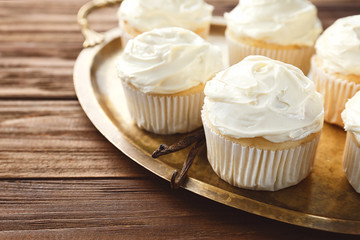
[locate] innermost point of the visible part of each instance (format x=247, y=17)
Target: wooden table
x=59, y=178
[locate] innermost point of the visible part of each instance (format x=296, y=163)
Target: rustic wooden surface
x=60, y=179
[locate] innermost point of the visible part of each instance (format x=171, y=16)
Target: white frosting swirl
x=261, y=97
x=168, y=60
x=339, y=46
x=351, y=116
x=282, y=22
x=145, y=15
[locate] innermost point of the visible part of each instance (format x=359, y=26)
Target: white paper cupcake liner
x=258, y=169
x=164, y=114
x=299, y=57
x=351, y=162
x=336, y=93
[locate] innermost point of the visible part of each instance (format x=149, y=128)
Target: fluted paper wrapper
x=258, y=169
x=351, y=162
x=299, y=57
x=336, y=93
x=164, y=114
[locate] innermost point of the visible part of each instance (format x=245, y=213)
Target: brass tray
x=325, y=200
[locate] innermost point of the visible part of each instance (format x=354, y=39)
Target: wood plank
x=46, y=36
x=55, y=139
x=88, y=189
x=128, y=209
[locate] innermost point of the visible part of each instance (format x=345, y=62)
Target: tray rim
x=83, y=86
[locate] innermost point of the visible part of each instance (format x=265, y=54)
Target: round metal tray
x=325, y=200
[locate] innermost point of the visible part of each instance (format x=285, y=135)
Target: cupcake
x=336, y=66
x=262, y=121
x=279, y=29
x=351, y=162
x=163, y=73
x=138, y=16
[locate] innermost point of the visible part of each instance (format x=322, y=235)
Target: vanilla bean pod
x=176, y=182
x=197, y=137
x=183, y=143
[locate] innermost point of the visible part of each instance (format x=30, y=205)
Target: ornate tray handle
x=92, y=38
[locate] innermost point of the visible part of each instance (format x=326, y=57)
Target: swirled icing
x=351, y=116
x=261, y=97
x=283, y=22
x=168, y=60
x=145, y=15
x=339, y=46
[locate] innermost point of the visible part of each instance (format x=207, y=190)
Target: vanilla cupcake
x=138, y=16
x=279, y=29
x=163, y=73
x=262, y=121
x=336, y=66
x=351, y=162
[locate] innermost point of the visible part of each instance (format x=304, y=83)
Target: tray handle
x=92, y=38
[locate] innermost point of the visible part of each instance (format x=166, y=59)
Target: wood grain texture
x=60, y=179
x=54, y=139
x=128, y=209
x=44, y=33
x=46, y=36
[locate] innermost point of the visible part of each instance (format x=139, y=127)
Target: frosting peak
x=339, y=46
x=351, y=116
x=261, y=97
x=282, y=22
x=168, y=60
x=145, y=15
